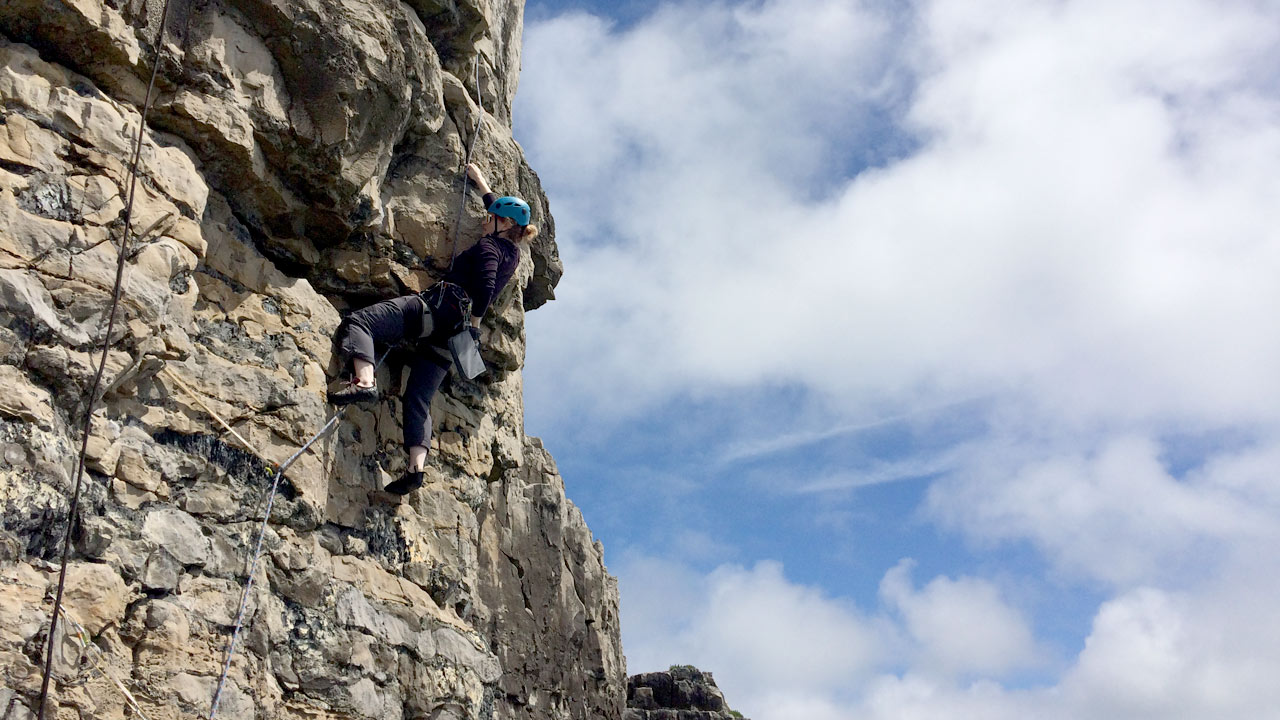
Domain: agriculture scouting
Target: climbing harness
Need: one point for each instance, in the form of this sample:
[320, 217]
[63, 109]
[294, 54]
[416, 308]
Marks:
[440, 297]
[449, 306]
[80, 635]
[116, 292]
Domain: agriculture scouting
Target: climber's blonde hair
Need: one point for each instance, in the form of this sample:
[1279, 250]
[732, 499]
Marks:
[524, 234]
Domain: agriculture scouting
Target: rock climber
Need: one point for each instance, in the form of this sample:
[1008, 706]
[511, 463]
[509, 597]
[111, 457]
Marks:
[431, 318]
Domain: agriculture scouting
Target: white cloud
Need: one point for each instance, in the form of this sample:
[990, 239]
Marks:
[1089, 218]
[1164, 655]
[1141, 637]
[963, 627]
[671, 150]
[657, 597]
[783, 650]
[767, 441]
[768, 640]
[913, 697]
[1071, 216]
[1118, 515]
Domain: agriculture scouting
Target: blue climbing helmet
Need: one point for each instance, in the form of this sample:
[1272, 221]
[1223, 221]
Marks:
[511, 207]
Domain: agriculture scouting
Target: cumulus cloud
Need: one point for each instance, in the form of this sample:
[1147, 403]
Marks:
[963, 627]
[781, 649]
[1118, 515]
[1059, 215]
[785, 649]
[1159, 654]
[767, 638]
[1078, 209]
[674, 162]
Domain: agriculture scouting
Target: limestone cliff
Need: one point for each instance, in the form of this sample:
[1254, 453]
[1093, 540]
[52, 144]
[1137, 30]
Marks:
[301, 157]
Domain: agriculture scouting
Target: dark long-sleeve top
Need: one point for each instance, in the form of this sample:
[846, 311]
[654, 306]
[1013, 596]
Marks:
[483, 269]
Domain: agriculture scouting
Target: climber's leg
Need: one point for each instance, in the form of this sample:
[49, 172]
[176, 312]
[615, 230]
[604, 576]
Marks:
[382, 323]
[417, 458]
[425, 375]
[364, 372]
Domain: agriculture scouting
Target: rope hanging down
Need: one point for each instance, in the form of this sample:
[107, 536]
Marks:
[91, 651]
[277, 474]
[90, 399]
[196, 396]
[462, 206]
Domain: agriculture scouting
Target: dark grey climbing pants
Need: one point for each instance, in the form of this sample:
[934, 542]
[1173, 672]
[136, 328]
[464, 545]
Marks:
[387, 323]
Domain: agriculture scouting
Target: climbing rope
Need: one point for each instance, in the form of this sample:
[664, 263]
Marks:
[248, 585]
[90, 650]
[116, 292]
[196, 396]
[462, 206]
[277, 473]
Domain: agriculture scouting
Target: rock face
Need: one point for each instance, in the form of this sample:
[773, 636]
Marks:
[682, 693]
[302, 157]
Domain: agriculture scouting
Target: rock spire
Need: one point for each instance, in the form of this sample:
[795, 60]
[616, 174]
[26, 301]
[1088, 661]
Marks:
[681, 693]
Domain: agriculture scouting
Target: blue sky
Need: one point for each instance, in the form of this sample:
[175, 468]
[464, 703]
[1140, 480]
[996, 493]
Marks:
[919, 359]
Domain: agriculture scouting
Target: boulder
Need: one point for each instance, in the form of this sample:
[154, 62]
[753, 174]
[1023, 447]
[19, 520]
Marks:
[178, 534]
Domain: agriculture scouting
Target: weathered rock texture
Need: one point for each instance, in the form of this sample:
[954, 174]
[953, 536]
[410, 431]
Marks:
[302, 157]
[682, 693]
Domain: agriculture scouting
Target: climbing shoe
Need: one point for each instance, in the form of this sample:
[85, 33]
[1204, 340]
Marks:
[353, 393]
[407, 483]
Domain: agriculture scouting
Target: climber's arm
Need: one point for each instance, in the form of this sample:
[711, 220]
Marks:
[477, 177]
